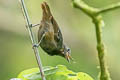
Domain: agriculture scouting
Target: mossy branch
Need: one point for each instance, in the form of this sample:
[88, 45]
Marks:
[29, 28]
[95, 15]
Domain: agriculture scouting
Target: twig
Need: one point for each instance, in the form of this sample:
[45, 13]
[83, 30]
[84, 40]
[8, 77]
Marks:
[104, 74]
[110, 8]
[95, 15]
[29, 28]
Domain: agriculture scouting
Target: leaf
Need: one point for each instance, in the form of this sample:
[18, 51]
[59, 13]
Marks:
[59, 72]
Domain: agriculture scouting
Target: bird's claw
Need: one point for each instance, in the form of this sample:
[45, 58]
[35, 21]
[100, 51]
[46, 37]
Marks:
[35, 45]
[30, 25]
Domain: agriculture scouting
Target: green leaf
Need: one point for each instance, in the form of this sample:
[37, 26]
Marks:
[59, 72]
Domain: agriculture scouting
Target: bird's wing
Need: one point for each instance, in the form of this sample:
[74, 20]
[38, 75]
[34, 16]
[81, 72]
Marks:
[57, 31]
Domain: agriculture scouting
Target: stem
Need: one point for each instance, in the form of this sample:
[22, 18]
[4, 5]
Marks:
[104, 74]
[80, 4]
[29, 28]
[94, 14]
[110, 8]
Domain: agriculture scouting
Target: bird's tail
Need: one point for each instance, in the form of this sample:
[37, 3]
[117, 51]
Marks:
[46, 11]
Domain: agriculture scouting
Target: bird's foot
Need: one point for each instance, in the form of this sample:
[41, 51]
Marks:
[35, 45]
[30, 25]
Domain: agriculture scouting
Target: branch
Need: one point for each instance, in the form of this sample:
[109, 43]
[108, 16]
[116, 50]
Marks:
[29, 28]
[110, 8]
[80, 4]
[95, 15]
[104, 73]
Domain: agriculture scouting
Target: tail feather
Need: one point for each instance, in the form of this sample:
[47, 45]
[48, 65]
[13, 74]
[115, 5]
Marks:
[46, 11]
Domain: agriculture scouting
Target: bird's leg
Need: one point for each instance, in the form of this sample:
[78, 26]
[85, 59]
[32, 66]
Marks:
[34, 25]
[37, 45]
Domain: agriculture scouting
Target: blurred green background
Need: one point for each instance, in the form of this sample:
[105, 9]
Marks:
[16, 52]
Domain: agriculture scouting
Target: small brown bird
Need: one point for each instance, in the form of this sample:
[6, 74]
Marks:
[49, 35]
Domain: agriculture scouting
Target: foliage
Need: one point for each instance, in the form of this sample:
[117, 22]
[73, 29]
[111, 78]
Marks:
[59, 72]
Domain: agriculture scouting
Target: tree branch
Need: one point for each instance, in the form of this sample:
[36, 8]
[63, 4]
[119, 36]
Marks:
[95, 15]
[104, 74]
[80, 4]
[109, 8]
[29, 28]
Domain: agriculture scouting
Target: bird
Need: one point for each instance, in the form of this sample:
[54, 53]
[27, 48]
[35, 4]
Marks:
[50, 38]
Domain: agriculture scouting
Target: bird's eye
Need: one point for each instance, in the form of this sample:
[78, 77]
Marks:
[68, 49]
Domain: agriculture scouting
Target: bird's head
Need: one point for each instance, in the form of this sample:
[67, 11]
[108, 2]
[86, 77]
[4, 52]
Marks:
[65, 52]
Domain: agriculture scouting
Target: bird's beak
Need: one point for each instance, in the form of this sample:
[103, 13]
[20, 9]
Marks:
[68, 57]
